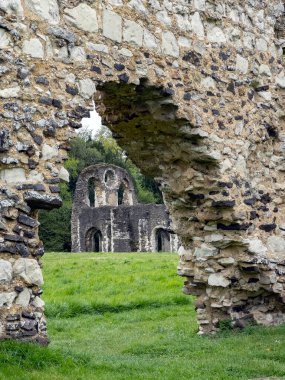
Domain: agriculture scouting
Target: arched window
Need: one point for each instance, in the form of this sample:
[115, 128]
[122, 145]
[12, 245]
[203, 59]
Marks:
[109, 177]
[91, 192]
[162, 240]
[121, 194]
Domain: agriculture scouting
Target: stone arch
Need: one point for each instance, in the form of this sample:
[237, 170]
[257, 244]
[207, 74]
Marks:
[94, 240]
[195, 107]
[162, 238]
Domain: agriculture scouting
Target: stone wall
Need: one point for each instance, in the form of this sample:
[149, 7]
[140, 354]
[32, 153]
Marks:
[114, 222]
[194, 92]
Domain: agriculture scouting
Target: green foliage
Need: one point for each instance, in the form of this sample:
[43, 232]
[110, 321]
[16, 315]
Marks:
[145, 332]
[55, 225]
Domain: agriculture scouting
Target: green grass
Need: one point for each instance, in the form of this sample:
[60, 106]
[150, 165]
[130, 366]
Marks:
[123, 316]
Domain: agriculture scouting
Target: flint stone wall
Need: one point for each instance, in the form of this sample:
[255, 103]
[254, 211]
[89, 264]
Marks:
[194, 92]
[121, 225]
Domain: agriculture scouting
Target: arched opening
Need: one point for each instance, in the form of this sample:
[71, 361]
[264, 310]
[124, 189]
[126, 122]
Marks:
[121, 194]
[109, 177]
[93, 240]
[97, 243]
[91, 192]
[162, 240]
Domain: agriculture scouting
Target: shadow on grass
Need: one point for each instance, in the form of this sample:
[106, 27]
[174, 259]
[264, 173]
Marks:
[70, 310]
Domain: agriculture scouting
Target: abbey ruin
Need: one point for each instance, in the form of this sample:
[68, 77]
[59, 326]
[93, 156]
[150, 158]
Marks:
[193, 90]
[106, 216]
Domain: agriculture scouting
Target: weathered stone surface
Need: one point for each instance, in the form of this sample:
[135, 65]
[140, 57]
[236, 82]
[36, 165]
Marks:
[7, 298]
[42, 201]
[29, 270]
[12, 7]
[10, 92]
[82, 17]
[218, 280]
[5, 271]
[169, 44]
[46, 9]
[34, 48]
[112, 25]
[13, 175]
[87, 88]
[23, 298]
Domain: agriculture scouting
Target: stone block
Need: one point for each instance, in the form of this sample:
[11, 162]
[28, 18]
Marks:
[7, 298]
[29, 270]
[34, 48]
[169, 44]
[219, 280]
[5, 271]
[133, 33]
[112, 25]
[23, 298]
[13, 175]
[82, 17]
[46, 9]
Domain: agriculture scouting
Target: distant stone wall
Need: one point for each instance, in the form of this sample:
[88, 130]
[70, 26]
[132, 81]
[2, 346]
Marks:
[194, 92]
[115, 222]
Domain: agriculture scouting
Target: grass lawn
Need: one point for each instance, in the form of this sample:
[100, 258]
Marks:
[123, 316]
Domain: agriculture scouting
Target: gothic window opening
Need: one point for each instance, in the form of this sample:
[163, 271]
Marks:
[121, 194]
[91, 192]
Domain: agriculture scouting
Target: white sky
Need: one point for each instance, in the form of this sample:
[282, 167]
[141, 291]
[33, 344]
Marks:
[91, 125]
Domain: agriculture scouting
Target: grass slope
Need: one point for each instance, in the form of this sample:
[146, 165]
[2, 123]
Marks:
[122, 316]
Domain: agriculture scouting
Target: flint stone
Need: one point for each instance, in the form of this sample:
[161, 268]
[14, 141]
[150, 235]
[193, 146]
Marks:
[255, 246]
[49, 152]
[42, 201]
[170, 44]
[11, 92]
[226, 261]
[34, 48]
[38, 302]
[46, 9]
[64, 174]
[82, 17]
[133, 33]
[4, 39]
[29, 270]
[23, 298]
[280, 81]
[13, 175]
[241, 64]
[87, 88]
[112, 25]
[276, 244]
[216, 34]
[205, 251]
[218, 280]
[6, 271]
[12, 7]
[197, 25]
[149, 40]
[6, 299]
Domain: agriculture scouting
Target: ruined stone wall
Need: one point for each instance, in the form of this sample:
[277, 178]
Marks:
[124, 227]
[194, 92]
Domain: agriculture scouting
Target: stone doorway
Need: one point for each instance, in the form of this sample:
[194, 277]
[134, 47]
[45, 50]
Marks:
[162, 240]
[94, 240]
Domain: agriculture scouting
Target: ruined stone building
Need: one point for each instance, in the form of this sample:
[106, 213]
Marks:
[106, 216]
[193, 91]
